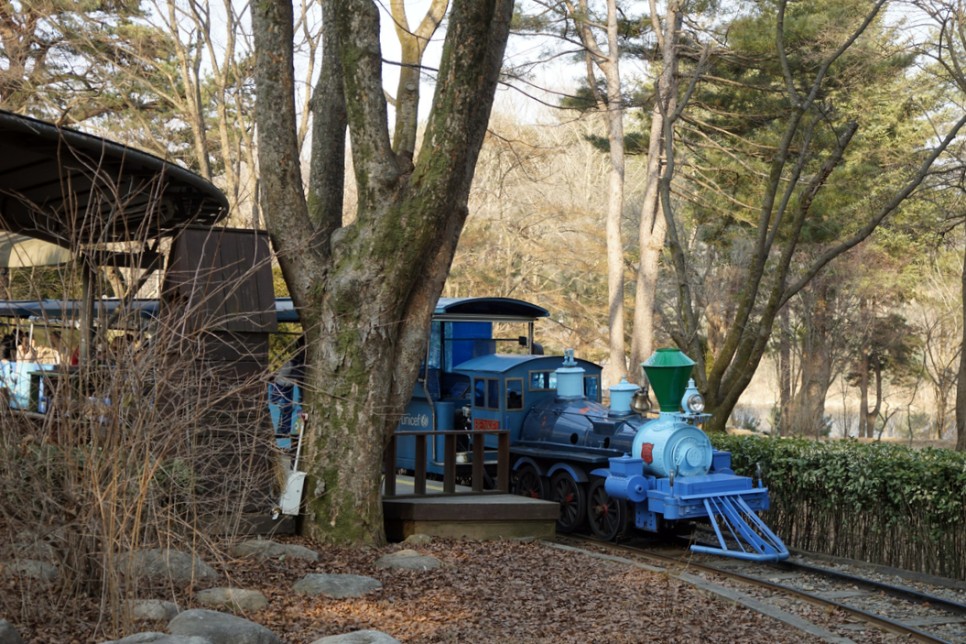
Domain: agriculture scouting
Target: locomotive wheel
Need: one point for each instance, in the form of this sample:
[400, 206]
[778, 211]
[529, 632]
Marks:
[529, 483]
[606, 515]
[572, 499]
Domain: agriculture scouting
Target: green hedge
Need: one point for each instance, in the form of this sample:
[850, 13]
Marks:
[877, 502]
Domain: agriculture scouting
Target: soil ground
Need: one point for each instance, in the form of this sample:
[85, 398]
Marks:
[497, 591]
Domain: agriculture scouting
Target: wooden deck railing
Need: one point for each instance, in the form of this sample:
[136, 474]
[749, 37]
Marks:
[477, 437]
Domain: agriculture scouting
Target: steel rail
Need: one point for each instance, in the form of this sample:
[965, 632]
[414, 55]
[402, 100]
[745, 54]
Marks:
[897, 591]
[883, 622]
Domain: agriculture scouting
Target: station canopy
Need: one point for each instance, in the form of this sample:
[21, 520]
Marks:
[61, 189]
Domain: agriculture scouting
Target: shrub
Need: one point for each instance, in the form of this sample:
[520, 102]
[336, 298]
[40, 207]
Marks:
[883, 503]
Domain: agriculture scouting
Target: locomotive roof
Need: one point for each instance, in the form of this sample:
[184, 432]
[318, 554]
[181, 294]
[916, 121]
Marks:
[505, 363]
[487, 308]
[66, 187]
[496, 309]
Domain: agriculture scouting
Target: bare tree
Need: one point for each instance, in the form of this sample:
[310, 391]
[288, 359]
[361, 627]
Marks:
[610, 105]
[366, 289]
[950, 16]
[652, 230]
[942, 347]
[413, 45]
[534, 231]
[209, 88]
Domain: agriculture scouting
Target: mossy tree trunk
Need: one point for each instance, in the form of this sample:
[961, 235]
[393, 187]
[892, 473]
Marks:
[366, 288]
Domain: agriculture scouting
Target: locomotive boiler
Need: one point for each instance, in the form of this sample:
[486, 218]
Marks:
[613, 467]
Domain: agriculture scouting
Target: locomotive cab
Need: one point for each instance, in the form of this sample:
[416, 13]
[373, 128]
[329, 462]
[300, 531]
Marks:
[447, 396]
[505, 387]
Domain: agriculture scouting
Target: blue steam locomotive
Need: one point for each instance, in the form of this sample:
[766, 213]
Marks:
[609, 468]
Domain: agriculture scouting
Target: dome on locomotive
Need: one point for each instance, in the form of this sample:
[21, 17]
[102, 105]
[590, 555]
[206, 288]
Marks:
[668, 371]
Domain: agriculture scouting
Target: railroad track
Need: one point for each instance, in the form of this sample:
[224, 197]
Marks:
[836, 604]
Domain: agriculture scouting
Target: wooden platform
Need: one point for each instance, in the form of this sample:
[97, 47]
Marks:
[464, 516]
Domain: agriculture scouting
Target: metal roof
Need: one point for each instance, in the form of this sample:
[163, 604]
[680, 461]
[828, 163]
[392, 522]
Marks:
[71, 188]
[503, 363]
[488, 308]
[61, 312]
[69, 310]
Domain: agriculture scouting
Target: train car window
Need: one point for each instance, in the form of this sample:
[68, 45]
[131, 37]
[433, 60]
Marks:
[514, 394]
[592, 388]
[543, 380]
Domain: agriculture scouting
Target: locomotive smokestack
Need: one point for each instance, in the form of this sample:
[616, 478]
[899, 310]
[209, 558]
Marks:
[668, 371]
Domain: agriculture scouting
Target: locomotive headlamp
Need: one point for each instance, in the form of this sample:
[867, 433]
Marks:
[696, 404]
[692, 402]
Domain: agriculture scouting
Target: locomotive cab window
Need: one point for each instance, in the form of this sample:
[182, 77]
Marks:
[514, 394]
[592, 388]
[486, 393]
[543, 380]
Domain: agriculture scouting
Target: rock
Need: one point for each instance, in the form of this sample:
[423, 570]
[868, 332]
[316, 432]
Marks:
[359, 637]
[336, 586]
[30, 569]
[152, 610]
[418, 539]
[221, 628]
[28, 544]
[159, 638]
[268, 549]
[232, 599]
[408, 560]
[9, 634]
[163, 564]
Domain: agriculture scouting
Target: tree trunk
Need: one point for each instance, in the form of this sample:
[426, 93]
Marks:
[366, 290]
[612, 112]
[785, 373]
[193, 108]
[864, 429]
[873, 413]
[961, 381]
[805, 413]
[806, 410]
[413, 45]
[651, 243]
[653, 227]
